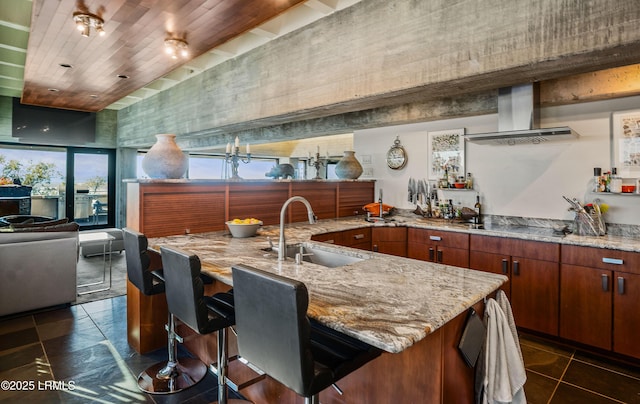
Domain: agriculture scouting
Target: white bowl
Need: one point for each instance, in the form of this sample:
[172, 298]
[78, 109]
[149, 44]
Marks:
[241, 230]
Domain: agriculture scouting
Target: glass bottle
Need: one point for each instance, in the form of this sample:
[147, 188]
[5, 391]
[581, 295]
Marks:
[478, 209]
[469, 181]
[616, 181]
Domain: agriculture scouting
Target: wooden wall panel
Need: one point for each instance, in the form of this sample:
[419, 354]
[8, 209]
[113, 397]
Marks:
[260, 200]
[169, 209]
[162, 209]
[321, 195]
[352, 196]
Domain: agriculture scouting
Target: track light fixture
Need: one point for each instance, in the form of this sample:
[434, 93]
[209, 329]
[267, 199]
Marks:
[175, 47]
[85, 20]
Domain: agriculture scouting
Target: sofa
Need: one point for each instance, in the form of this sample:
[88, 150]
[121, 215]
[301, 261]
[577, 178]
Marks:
[37, 267]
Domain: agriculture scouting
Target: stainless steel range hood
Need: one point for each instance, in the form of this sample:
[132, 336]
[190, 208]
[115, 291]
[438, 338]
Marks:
[518, 118]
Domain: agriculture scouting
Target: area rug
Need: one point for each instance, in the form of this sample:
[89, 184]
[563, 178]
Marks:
[90, 269]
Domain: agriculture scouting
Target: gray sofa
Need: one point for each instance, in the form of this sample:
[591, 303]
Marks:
[37, 269]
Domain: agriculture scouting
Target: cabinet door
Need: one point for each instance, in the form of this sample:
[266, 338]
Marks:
[453, 256]
[419, 251]
[626, 322]
[333, 237]
[397, 248]
[357, 238]
[535, 294]
[585, 305]
[494, 263]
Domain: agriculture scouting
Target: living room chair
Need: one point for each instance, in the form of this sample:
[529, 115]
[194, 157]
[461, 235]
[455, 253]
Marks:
[275, 335]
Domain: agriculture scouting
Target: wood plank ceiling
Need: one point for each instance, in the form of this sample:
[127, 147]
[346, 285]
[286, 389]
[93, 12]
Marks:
[133, 45]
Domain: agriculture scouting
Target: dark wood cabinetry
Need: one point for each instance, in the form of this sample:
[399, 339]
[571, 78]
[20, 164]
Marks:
[389, 240]
[600, 297]
[444, 247]
[533, 271]
[356, 238]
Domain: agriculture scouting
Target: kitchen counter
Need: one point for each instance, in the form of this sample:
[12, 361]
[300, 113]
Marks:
[386, 301]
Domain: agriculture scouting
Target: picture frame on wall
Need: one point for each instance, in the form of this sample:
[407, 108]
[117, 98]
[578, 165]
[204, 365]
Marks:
[625, 143]
[445, 151]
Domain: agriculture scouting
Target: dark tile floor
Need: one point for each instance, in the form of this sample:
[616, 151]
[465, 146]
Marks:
[86, 346]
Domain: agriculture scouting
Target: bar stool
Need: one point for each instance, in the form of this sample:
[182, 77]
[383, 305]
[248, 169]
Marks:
[275, 334]
[149, 283]
[203, 314]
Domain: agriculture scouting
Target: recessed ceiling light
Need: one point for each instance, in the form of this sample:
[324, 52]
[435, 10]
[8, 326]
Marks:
[93, 96]
[53, 90]
[122, 76]
[66, 65]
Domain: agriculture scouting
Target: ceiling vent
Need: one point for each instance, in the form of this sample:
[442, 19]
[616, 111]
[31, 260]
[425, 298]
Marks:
[518, 118]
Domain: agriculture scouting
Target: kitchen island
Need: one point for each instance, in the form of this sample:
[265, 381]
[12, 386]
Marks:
[413, 310]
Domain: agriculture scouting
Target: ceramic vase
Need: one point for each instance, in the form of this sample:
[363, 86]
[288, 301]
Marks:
[165, 159]
[348, 167]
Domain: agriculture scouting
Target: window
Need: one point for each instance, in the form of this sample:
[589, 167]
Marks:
[203, 166]
[56, 172]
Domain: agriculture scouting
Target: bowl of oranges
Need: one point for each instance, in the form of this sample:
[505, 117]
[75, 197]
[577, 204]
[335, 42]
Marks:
[242, 228]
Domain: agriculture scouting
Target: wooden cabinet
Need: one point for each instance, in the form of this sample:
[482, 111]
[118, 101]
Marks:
[533, 271]
[444, 247]
[389, 240]
[356, 238]
[600, 296]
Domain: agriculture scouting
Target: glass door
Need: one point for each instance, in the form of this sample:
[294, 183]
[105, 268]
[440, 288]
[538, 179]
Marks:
[91, 187]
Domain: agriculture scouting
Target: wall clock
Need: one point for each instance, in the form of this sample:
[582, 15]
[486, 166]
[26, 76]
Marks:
[396, 156]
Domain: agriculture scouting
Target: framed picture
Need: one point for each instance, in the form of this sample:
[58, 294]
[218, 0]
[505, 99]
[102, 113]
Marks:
[445, 152]
[625, 143]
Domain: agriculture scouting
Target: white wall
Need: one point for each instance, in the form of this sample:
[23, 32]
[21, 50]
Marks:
[522, 180]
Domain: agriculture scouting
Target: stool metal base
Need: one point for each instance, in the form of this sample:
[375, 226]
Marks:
[188, 372]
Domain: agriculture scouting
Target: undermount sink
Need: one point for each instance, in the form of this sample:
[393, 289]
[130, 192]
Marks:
[320, 256]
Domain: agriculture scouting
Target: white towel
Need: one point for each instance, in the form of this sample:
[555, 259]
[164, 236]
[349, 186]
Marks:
[502, 370]
[503, 302]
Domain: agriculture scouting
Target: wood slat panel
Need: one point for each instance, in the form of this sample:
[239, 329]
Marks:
[262, 201]
[321, 195]
[133, 44]
[353, 196]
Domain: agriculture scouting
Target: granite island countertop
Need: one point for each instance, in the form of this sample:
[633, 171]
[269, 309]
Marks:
[387, 301]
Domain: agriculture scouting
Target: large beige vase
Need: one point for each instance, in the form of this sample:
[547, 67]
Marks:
[349, 167]
[165, 160]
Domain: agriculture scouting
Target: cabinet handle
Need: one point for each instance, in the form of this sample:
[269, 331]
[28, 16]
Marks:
[375, 248]
[435, 238]
[439, 255]
[432, 255]
[516, 268]
[605, 283]
[505, 266]
[620, 285]
[359, 236]
[615, 261]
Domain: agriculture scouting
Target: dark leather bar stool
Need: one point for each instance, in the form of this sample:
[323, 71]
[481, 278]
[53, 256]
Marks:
[275, 334]
[149, 283]
[203, 314]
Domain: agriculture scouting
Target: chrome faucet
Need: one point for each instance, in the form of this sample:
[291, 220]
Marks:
[282, 245]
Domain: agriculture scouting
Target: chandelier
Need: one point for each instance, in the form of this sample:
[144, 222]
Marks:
[176, 46]
[85, 20]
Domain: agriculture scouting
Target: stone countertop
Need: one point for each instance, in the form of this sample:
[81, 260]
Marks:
[389, 302]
